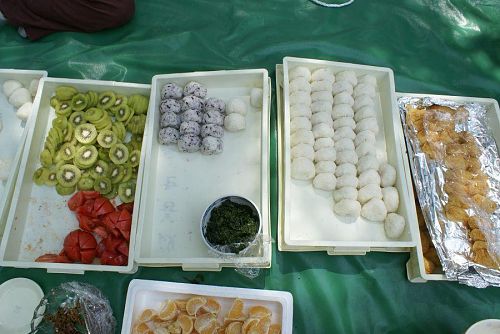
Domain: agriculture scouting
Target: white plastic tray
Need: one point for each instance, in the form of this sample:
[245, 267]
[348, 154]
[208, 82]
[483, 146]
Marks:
[39, 218]
[144, 294]
[307, 217]
[415, 265]
[12, 136]
[178, 187]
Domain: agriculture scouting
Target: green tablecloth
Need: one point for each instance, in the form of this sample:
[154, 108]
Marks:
[434, 46]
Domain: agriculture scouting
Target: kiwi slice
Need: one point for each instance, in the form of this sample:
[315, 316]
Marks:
[79, 102]
[103, 185]
[85, 156]
[64, 108]
[103, 122]
[123, 113]
[85, 183]
[116, 173]
[77, 118]
[134, 158]
[106, 100]
[65, 92]
[46, 158]
[70, 131]
[119, 129]
[126, 191]
[54, 102]
[67, 151]
[128, 173]
[93, 114]
[118, 153]
[100, 169]
[86, 133]
[51, 179]
[60, 122]
[40, 176]
[93, 98]
[106, 138]
[64, 191]
[136, 124]
[104, 155]
[113, 193]
[139, 103]
[68, 175]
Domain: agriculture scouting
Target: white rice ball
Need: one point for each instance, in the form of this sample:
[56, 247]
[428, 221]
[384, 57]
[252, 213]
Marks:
[300, 98]
[343, 98]
[347, 181]
[367, 162]
[299, 72]
[302, 150]
[323, 74]
[325, 167]
[364, 89]
[24, 112]
[302, 169]
[363, 101]
[342, 86]
[394, 226]
[19, 97]
[236, 106]
[322, 130]
[348, 76]
[234, 122]
[301, 137]
[325, 154]
[388, 175]
[344, 132]
[345, 193]
[344, 122]
[321, 86]
[347, 156]
[342, 110]
[369, 177]
[300, 110]
[322, 96]
[324, 181]
[300, 84]
[322, 117]
[365, 112]
[367, 124]
[390, 196]
[256, 97]
[365, 149]
[9, 86]
[374, 210]
[320, 106]
[323, 142]
[347, 208]
[365, 137]
[368, 79]
[344, 144]
[368, 192]
[33, 87]
[300, 123]
[345, 169]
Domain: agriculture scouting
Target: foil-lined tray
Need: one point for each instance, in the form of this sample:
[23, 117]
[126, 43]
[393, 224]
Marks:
[451, 237]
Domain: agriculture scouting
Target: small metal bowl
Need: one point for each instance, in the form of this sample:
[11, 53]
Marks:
[205, 218]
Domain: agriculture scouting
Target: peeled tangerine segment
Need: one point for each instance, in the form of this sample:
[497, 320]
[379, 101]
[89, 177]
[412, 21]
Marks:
[194, 304]
[212, 306]
[168, 310]
[274, 329]
[236, 311]
[259, 311]
[262, 327]
[205, 323]
[186, 323]
[249, 324]
[181, 305]
[234, 328]
[141, 328]
[147, 315]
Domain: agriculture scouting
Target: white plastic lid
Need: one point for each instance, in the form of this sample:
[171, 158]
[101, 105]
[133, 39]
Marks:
[487, 326]
[18, 299]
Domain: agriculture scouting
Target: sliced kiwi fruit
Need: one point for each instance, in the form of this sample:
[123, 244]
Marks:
[106, 138]
[100, 169]
[93, 114]
[77, 118]
[122, 113]
[64, 191]
[64, 108]
[93, 98]
[136, 124]
[40, 176]
[119, 128]
[46, 158]
[79, 102]
[128, 173]
[67, 151]
[126, 191]
[104, 155]
[106, 100]
[51, 179]
[85, 183]
[113, 193]
[65, 92]
[70, 132]
[103, 185]
[68, 175]
[60, 122]
[104, 122]
[134, 158]
[85, 156]
[54, 102]
[139, 103]
[116, 173]
[118, 153]
[86, 133]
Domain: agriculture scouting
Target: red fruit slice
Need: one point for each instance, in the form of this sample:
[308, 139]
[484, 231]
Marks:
[76, 201]
[102, 206]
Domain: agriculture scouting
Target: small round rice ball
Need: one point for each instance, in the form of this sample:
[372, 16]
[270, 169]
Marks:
[300, 110]
[211, 145]
[299, 72]
[170, 105]
[168, 136]
[9, 86]
[302, 150]
[300, 98]
[171, 91]
[388, 175]
[325, 167]
[344, 132]
[345, 169]
[324, 181]
[300, 123]
[321, 106]
[196, 89]
[190, 128]
[342, 86]
[322, 117]
[347, 208]
[343, 98]
[344, 122]
[191, 102]
[322, 96]
[367, 162]
[170, 119]
[323, 143]
[367, 124]
[363, 101]
[322, 130]
[256, 97]
[342, 110]
[213, 117]
[191, 115]
[323, 74]
[19, 97]
[301, 137]
[347, 181]
[374, 210]
[368, 192]
[235, 122]
[344, 144]
[390, 197]
[189, 143]
[365, 149]
[347, 156]
[345, 193]
[364, 89]
[325, 154]
[302, 169]
[321, 86]
[394, 226]
[365, 136]
[236, 106]
[365, 112]
[300, 84]
[348, 76]
[212, 130]
[24, 112]
[368, 79]
[369, 176]
[213, 103]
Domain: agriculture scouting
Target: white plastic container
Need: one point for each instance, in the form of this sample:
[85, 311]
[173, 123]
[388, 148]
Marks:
[178, 187]
[415, 265]
[39, 218]
[306, 218]
[144, 294]
[13, 133]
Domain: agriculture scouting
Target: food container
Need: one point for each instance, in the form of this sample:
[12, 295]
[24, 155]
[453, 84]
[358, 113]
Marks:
[306, 221]
[178, 187]
[39, 218]
[486, 326]
[144, 294]
[205, 218]
[415, 265]
[14, 133]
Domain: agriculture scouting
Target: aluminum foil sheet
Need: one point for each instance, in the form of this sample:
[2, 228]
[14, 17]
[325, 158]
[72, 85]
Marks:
[450, 238]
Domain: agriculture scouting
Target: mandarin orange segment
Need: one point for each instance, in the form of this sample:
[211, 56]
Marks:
[204, 321]
[212, 306]
[194, 304]
[147, 315]
[259, 311]
[186, 323]
[274, 329]
[161, 330]
[211, 328]
[141, 328]
[181, 304]
[236, 311]
[168, 310]
[234, 328]
[249, 324]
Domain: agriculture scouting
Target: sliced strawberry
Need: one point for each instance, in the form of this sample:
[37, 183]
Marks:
[123, 248]
[87, 208]
[102, 206]
[126, 206]
[88, 255]
[86, 223]
[101, 232]
[90, 194]
[76, 201]
[113, 259]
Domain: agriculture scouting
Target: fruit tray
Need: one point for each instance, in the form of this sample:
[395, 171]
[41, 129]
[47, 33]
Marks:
[144, 294]
[13, 131]
[39, 218]
[306, 219]
[178, 187]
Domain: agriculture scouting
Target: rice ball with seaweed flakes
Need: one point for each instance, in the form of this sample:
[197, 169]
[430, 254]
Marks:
[196, 89]
[171, 91]
[211, 145]
[213, 117]
[171, 105]
[235, 122]
[191, 115]
[170, 119]
[212, 130]
[191, 102]
[237, 106]
[190, 128]
[189, 143]
[213, 103]
[168, 136]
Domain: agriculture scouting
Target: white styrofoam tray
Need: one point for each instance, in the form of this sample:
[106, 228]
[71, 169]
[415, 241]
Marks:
[309, 223]
[415, 265]
[13, 135]
[144, 294]
[178, 187]
[39, 218]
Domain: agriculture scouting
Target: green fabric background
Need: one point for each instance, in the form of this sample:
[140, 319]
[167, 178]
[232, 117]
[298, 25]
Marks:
[433, 46]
